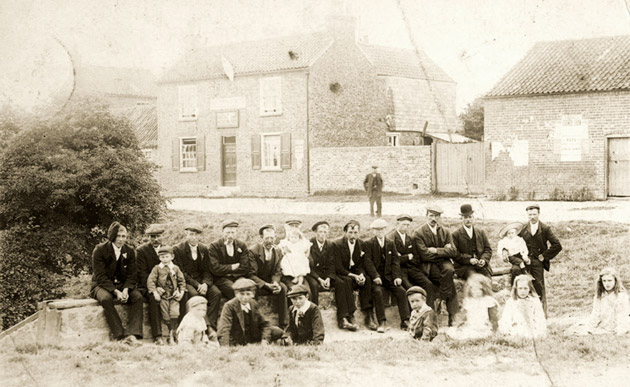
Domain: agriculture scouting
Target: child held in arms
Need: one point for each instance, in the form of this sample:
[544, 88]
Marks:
[423, 321]
[513, 249]
[167, 284]
[295, 265]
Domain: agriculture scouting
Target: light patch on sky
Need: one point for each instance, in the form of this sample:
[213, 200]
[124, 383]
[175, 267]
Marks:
[475, 42]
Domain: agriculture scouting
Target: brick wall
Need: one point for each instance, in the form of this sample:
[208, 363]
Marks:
[249, 181]
[537, 119]
[344, 168]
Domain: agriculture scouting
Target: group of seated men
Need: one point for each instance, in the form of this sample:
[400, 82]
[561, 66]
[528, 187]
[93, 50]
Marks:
[429, 258]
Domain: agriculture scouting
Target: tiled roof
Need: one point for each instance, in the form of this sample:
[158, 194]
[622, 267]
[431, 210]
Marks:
[286, 53]
[570, 66]
[143, 119]
[403, 63]
[119, 81]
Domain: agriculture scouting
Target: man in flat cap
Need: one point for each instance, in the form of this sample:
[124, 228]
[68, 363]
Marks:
[322, 261]
[193, 259]
[265, 271]
[147, 258]
[543, 246]
[382, 265]
[473, 248]
[435, 247]
[229, 259]
[350, 267]
[114, 281]
[373, 184]
[404, 246]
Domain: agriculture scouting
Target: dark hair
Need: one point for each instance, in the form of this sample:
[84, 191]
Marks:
[599, 286]
[484, 283]
[112, 231]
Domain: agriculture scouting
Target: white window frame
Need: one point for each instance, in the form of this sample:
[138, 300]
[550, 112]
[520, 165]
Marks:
[263, 153]
[271, 96]
[187, 95]
[393, 139]
[192, 159]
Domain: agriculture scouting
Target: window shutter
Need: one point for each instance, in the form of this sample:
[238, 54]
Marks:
[285, 151]
[256, 151]
[201, 153]
[175, 155]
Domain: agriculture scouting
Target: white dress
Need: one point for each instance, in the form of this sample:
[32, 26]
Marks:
[609, 316]
[523, 317]
[295, 260]
[477, 323]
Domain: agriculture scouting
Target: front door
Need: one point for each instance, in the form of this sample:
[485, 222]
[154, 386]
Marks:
[228, 161]
[619, 167]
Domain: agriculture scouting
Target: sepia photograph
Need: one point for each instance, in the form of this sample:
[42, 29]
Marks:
[314, 193]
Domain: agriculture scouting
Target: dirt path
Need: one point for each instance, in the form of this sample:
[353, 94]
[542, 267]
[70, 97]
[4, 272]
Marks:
[611, 210]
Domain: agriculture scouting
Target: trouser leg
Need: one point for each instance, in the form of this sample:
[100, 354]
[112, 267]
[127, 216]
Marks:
[154, 315]
[378, 301]
[134, 323]
[225, 284]
[106, 299]
[313, 283]
[537, 271]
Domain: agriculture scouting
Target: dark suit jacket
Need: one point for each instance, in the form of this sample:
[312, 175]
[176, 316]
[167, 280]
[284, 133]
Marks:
[257, 272]
[424, 239]
[104, 265]
[460, 240]
[311, 328]
[231, 327]
[146, 260]
[220, 262]
[183, 259]
[322, 262]
[341, 252]
[403, 249]
[544, 242]
[392, 261]
[373, 184]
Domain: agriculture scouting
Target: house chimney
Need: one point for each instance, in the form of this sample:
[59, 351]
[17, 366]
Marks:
[342, 28]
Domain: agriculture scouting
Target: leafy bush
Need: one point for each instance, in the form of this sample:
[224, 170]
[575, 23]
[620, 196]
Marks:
[62, 182]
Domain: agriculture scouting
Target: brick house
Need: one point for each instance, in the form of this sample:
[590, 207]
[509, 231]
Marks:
[558, 123]
[280, 117]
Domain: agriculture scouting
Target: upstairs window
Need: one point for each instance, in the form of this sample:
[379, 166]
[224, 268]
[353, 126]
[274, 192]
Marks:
[187, 100]
[270, 96]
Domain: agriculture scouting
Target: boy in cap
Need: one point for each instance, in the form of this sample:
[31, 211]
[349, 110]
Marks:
[382, 265]
[229, 259]
[114, 280]
[264, 267]
[373, 184]
[435, 246]
[306, 325]
[241, 321]
[193, 259]
[192, 329]
[473, 248]
[167, 285]
[423, 322]
[147, 258]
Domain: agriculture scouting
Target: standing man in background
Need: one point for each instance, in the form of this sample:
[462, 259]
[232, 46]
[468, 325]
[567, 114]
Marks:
[373, 184]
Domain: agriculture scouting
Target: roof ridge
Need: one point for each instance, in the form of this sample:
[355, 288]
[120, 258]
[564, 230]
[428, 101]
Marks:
[271, 39]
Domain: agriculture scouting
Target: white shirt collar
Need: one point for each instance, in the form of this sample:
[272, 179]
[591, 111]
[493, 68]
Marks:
[402, 235]
[305, 307]
[170, 265]
[433, 229]
[381, 241]
[246, 307]
[533, 227]
[469, 231]
[117, 251]
[320, 244]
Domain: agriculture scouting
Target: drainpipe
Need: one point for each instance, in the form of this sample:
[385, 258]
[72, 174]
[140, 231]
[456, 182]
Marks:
[307, 146]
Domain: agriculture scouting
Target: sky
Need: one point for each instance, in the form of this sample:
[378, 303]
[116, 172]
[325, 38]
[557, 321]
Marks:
[475, 42]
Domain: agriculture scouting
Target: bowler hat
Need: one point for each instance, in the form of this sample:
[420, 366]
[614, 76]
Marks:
[466, 209]
[196, 227]
[416, 290]
[434, 208]
[317, 224]
[402, 217]
[154, 229]
[379, 223]
[244, 284]
[532, 207]
[297, 290]
[352, 223]
[194, 301]
[266, 226]
[165, 250]
[514, 225]
[229, 223]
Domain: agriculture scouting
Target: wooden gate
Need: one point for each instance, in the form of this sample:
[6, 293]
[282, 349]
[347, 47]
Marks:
[228, 161]
[459, 168]
[619, 167]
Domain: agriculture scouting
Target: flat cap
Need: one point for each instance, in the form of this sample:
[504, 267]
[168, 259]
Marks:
[317, 224]
[351, 223]
[379, 223]
[295, 221]
[434, 208]
[402, 217]
[196, 227]
[165, 250]
[374, 166]
[416, 290]
[194, 301]
[264, 227]
[297, 290]
[154, 229]
[229, 223]
[533, 206]
[244, 284]
[514, 225]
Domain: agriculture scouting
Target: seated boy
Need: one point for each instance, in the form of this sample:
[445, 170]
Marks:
[305, 323]
[192, 329]
[423, 322]
[167, 285]
[241, 321]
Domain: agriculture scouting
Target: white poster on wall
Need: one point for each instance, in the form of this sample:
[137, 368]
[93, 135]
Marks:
[572, 136]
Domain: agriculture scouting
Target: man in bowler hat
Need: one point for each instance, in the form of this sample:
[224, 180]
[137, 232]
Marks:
[473, 248]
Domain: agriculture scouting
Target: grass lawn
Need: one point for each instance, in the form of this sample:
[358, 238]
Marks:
[556, 360]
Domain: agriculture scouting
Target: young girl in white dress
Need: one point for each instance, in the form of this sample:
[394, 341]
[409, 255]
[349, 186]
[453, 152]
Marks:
[523, 314]
[610, 307]
[295, 264]
[479, 310]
